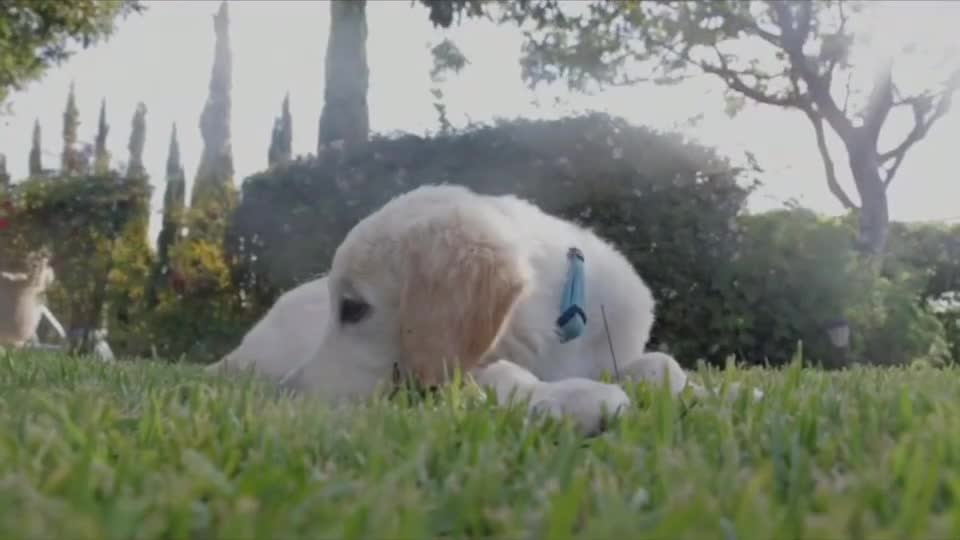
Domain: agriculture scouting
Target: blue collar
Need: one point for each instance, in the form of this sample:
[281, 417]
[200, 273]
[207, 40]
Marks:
[573, 319]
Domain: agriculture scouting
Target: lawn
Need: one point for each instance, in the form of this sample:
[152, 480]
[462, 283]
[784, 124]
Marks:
[150, 450]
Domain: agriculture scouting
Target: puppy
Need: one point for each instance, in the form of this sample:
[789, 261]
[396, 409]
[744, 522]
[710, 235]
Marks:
[22, 300]
[285, 337]
[442, 278]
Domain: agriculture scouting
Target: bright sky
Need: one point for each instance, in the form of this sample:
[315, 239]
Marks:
[164, 57]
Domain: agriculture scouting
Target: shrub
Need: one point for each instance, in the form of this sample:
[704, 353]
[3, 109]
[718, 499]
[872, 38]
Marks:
[791, 278]
[933, 252]
[196, 308]
[797, 273]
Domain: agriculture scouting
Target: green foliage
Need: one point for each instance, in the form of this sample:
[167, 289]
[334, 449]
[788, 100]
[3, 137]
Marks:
[129, 315]
[443, 13]
[447, 57]
[933, 252]
[35, 36]
[155, 451]
[198, 312]
[78, 219]
[796, 274]
[894, 324]
[61, 211]
[931, 249]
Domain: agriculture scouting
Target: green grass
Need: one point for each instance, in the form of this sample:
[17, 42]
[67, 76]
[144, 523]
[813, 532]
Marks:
[158, 451]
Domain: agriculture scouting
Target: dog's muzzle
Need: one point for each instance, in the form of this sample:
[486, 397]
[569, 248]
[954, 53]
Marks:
[402, 379]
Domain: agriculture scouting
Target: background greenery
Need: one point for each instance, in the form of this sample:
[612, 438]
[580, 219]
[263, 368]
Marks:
[727, 283]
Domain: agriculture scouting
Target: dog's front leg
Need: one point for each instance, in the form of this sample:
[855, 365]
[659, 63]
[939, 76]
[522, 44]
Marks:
[590, 404]
[658, 367]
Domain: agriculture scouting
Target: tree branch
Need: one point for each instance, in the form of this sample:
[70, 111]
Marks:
[828, 164]
[753, 26]
[922, 122]
[733, 80]
[836, 54]
[848, 89]
[792, 43]
[879, 104]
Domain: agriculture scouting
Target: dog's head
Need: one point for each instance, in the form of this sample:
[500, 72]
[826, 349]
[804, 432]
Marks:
[427, 284]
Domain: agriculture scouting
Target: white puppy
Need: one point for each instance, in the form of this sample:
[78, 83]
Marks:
[285, 337]
[442, 278]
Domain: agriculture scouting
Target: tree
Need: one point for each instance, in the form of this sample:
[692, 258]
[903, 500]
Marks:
[126, 286]
[138, 137]
[36, 156]
[35, 36]
[345, 116]
[201, 295]
[447, 58]
[174, 201]
[101, 160]
[281, 139]
[4, 175]
[806, 67]
[214, 178]
[71, 160]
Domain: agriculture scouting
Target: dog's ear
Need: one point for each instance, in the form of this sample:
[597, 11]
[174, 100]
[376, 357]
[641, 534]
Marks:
[459, 293]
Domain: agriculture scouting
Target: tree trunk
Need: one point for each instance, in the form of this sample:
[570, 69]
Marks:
[874, 211]
[345, 116]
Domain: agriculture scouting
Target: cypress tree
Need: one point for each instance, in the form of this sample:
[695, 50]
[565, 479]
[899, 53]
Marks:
[36, 159]
[345, 116]
[71, 161]
[101, 160]
[4, 175]
[214, 180]
[174, 201]
[281, 141]
[138, 137]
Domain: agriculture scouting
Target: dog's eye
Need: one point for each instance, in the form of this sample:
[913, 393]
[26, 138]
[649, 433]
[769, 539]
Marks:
[353, 311]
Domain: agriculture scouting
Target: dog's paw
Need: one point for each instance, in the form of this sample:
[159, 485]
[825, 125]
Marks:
[590, 404]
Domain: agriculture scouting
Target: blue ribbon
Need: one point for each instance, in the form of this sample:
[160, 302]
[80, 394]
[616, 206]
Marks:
[573, 319]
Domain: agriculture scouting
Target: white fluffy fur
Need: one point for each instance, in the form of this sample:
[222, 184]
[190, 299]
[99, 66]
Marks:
[285, 337]
[449, 236]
